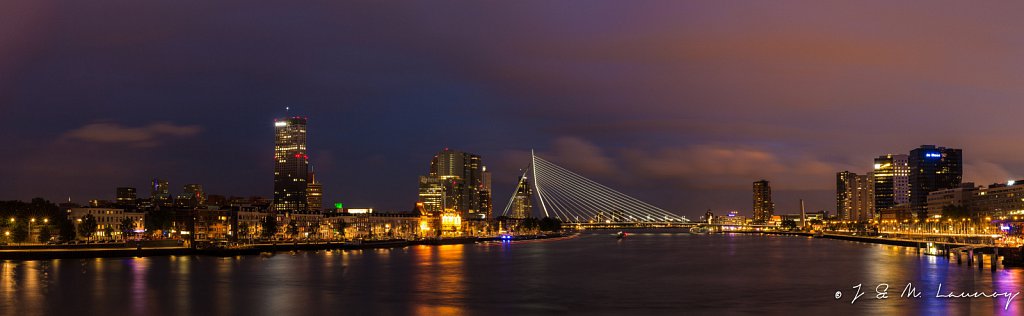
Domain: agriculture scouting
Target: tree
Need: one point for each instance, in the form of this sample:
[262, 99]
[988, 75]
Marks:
[550, 224]
[242, 230]
[19, 233]
[108, 231]
[127, 227]
[955, 211]
[88, 226]
[530, 223]
[44, 234]
[269, 226]
[291, 229]
[789, 224]
[159, 220]
[66, 229]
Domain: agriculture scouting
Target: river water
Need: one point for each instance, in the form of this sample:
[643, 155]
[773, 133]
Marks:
[649, 272]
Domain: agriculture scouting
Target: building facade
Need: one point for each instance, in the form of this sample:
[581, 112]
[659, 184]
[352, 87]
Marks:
[461, 176]
[764, 208]
[291, 164]
[963, 196]
[522, 201]
[855, 196]
[931, 169]
[314, 193]
[891, 181]
[127, 198]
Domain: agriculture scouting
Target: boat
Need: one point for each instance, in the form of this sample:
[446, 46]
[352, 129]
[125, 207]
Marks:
[620, 235]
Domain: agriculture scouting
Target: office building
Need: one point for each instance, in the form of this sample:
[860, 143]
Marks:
[891, 181]
[931, 169]
[314, 193]
[855, 196]
[764, 208]
[160, 193]
[291, 164]
[522, 201]
[126, 198]
[461, 178]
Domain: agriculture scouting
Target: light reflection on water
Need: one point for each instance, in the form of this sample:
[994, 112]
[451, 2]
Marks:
[647, 273]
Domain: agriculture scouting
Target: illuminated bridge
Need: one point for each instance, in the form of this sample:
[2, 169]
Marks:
[572, 198]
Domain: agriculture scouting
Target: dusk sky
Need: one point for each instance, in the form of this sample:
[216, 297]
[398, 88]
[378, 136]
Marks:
[679, 103]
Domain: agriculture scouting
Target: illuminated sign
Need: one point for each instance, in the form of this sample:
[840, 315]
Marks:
[360, 210]
[338, 205]
[933, 155]
[280, 123]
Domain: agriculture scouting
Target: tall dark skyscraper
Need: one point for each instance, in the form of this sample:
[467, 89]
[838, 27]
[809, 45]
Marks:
[764, 208]
[291, 164]
[126, 197]
[931, 169]
[160, 193]
[461, 175]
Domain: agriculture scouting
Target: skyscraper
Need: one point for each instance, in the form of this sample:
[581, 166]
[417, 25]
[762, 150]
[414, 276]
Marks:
[891, 181]
[855, 196]
[931, 169]
[431, 194]
[291, 164]
[126, 198]
[160, 193]
[314, 193]
[486, 200]
[195, 193]
[522, 201]
[461, 176]
[763, 206]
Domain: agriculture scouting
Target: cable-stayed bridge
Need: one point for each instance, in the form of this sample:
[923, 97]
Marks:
[574, 199]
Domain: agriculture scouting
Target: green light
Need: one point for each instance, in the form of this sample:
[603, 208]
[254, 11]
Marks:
[338, 205]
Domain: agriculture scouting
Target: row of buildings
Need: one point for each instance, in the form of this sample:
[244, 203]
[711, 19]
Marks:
[454, 200]
[898, 186]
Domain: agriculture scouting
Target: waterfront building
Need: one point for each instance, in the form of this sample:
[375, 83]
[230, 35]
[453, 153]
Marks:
[306, 224]
[431, 195]
[764, 208]
[931, 169]
[377, 226]
[963, 196]
[160, 193]
[461, 175]
[107, 220]
[891, 181]
[247, 222]
[291, 164]
[126, 198]
[522, 201]
[998, 200]
[314, 193]
[211, 223]
[855, 196]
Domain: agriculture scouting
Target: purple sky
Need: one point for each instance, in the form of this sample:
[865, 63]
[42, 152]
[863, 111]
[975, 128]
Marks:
[680, 103]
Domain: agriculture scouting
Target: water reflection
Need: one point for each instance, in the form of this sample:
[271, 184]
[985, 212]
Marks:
[596, 274]
[439, 279]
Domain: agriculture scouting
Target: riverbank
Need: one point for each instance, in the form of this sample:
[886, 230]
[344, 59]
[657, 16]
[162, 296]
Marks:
[109, 251]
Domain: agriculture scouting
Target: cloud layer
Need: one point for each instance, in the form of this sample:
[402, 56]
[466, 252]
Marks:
[149, 135]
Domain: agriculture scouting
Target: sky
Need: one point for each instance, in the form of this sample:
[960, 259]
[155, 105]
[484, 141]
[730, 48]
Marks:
[682, 104]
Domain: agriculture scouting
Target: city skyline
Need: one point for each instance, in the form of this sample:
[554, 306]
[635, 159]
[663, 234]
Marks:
[659, 120]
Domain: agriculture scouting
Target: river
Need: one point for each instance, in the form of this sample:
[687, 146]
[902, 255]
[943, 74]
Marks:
[648, 272]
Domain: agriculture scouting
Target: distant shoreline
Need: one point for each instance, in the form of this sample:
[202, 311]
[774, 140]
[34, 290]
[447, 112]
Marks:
[256, 249]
